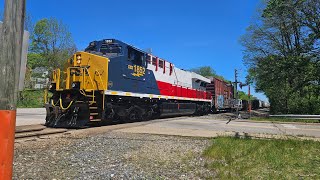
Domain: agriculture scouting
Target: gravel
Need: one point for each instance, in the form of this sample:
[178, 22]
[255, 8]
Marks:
[112, 155]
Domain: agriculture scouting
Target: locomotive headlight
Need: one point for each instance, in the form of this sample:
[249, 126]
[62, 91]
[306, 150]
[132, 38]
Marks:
[75, 85]
[78, 57]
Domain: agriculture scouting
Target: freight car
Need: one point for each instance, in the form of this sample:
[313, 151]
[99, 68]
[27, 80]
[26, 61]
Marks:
[114, 81]
[245, 105]
[222, 94]
[256, 104]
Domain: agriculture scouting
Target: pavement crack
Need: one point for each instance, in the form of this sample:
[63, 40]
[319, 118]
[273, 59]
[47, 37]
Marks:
[284, 132]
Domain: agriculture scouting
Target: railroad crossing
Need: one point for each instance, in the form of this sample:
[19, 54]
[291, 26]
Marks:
[203, 126]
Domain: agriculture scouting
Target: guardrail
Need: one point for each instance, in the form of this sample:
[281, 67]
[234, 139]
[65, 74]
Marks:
[297, 116]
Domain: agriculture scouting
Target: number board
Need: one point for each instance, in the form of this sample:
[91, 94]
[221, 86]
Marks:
[108, 40]
[138, 71]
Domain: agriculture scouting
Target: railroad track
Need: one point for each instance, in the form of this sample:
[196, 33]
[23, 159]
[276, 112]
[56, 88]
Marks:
[36, 131]
[30, 131]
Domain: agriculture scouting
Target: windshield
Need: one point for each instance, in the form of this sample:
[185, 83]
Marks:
[104, 48]
[110, 48]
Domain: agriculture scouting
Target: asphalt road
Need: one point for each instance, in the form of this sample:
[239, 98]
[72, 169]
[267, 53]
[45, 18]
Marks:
[210, 126]
[29, 116]
[204, 126]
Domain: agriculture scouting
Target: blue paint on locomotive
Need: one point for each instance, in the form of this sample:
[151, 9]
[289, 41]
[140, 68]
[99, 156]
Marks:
[127, 67]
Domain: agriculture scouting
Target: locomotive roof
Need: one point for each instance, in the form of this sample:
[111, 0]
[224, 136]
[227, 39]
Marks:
[123, 43]
[113, 41]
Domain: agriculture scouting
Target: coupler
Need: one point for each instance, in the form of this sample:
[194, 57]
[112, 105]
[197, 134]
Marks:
[75, 116]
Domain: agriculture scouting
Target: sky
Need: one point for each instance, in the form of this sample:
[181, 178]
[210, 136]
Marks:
[188, 33]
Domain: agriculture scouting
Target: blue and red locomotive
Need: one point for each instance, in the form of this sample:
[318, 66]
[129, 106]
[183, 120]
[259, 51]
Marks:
[114, 81]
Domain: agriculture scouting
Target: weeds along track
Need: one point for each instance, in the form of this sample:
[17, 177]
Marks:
[36, 131]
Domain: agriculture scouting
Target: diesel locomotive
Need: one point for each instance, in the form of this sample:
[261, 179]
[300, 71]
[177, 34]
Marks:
[114, 81]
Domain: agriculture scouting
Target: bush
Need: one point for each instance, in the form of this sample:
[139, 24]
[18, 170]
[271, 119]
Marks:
[31, 99]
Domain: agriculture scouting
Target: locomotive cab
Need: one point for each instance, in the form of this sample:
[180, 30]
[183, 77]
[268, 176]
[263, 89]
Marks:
[108, 48]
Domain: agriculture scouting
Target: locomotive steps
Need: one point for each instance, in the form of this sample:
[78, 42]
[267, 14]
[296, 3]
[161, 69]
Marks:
[94, 110]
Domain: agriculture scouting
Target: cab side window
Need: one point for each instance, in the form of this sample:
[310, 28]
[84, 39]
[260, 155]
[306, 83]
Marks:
[148, 59]
[154, 61]
[136, 57]
[161, 63]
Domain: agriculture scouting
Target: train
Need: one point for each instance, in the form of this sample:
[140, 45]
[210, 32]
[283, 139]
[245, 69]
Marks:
[255, 104]
[113, 81]
[222, 95]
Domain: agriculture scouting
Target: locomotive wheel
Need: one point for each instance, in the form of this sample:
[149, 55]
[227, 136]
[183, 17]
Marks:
[133, 116]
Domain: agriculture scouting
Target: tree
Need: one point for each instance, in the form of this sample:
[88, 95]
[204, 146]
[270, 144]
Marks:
[244, 96]
[281, 53]
[52, 41]
[205, 71]
[35, 60]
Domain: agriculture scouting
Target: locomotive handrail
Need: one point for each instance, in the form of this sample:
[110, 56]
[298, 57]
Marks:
[91, 84]
[84, 93]
[90, 77]
[100, 80]
[56, 78]
[84, 71]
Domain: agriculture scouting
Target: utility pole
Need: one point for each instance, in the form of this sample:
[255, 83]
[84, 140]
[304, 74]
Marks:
[11, 37]
[249, 102]
[236, 91]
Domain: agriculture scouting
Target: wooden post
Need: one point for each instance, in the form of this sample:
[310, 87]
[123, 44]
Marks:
[249, 102]
[11, 38]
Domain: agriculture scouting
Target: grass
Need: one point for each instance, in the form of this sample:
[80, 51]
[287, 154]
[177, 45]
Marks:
[235, 158]
[31, 99]
[277, 119]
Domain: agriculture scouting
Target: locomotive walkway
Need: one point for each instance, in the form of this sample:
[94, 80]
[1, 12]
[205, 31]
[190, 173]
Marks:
[204, 126]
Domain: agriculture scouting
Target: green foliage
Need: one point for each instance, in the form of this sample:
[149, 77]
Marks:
[51, 44]
[205, 71]
[31, 99]
[234, 158]
[282, 54]
[244, 96]
[35, 60]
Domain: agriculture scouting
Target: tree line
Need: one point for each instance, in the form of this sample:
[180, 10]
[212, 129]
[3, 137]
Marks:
[282, 55]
